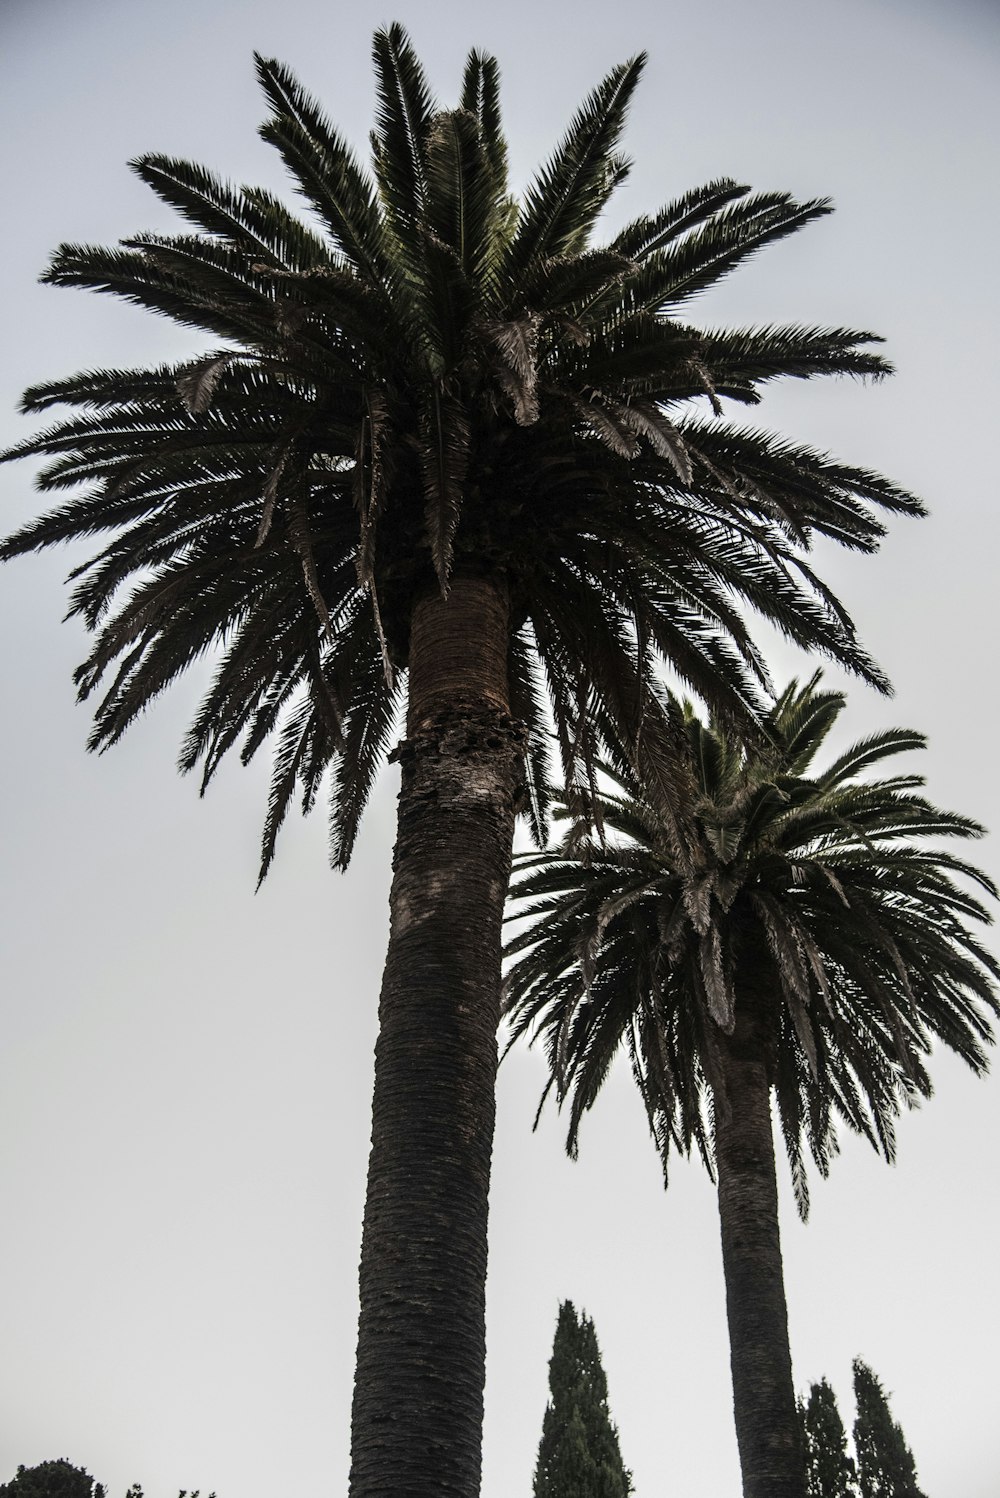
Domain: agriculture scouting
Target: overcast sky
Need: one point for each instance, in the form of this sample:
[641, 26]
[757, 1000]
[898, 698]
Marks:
[185, 1066]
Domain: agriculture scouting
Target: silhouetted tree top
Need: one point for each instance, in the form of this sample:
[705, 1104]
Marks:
[830, 1470]
[578, 1455]
[886, 1468]
[55, 1479]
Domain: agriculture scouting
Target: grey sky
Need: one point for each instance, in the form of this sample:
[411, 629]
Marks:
[185, 1068]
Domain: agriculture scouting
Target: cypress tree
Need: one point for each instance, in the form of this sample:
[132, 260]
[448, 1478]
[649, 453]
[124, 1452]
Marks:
[830, 1471]
[885, 1462]
[578, 1455]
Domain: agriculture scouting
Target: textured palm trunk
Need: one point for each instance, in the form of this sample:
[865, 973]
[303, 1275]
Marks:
[767, 1424]
[418, 1399]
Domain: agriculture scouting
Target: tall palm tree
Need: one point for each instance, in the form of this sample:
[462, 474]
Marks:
[441, 434]
[779, 931]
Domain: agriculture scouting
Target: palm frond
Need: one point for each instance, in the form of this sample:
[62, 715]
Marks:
[404, 111]
[326, 170]
[481, 98]
[562, 204]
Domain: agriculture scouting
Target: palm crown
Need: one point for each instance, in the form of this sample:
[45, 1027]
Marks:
[820, 903]
[427, 379]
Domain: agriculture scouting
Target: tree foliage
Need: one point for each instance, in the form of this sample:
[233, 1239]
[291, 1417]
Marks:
[882, 1465]
[578, 1455]
[830, 1469]
[729, 870]
[421, 377]
[886, 1468]
[60, 1479]
[55, 1479]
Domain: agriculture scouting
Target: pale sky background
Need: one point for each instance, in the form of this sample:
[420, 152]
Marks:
[185, 1067]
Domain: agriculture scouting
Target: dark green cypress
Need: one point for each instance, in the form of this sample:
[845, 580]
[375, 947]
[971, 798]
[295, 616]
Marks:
[578, 1455]
[885, 1462]
[830, 1471]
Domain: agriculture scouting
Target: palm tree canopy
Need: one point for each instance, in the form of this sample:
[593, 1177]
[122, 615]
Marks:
[425, 377]
[822, 900]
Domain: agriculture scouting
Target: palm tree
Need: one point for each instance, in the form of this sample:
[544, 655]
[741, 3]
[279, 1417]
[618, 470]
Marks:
[773, 930]
[441, 434]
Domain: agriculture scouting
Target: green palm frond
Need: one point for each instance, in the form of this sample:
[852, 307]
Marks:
[563, 203]
[326, 170]
[744, 359]
[404, 112]
[249, 218]
[468, 208]
[689, 265]
[646, 235]
[481, 98]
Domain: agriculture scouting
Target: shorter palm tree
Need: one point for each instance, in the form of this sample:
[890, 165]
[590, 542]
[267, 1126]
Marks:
[746, 926]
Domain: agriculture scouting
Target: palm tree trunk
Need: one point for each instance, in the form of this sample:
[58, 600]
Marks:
[418, 1399]
[767, 1423]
